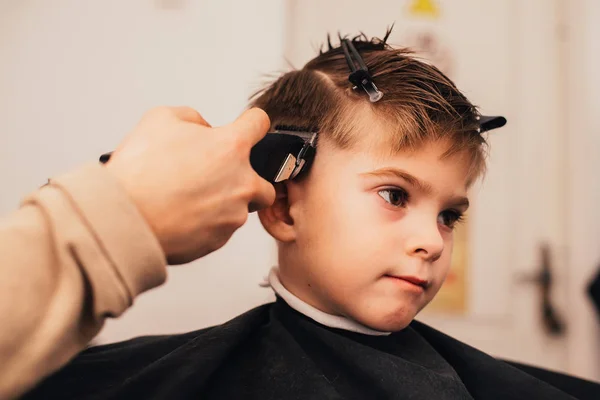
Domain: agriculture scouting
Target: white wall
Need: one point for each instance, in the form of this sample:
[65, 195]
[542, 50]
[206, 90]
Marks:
[76, 75]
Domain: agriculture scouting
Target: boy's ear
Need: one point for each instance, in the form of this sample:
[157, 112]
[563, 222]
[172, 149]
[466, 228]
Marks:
[276, 219]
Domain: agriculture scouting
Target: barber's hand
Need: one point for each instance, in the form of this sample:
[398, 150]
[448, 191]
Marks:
[193, 184]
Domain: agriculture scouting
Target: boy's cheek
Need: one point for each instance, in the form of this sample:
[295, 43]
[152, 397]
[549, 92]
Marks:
[441, 270]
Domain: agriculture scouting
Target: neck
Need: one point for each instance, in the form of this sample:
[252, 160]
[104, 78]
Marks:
[323, 318]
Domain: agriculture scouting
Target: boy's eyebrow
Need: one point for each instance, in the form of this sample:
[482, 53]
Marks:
[413, 181]
[421, 186]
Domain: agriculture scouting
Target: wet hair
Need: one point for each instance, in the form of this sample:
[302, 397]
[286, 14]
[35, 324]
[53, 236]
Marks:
[420, 103]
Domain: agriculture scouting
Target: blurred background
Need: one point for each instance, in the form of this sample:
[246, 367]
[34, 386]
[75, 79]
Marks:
[75, 76]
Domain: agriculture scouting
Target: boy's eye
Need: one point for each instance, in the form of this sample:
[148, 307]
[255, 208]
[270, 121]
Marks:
[396, 197]
[450, 218]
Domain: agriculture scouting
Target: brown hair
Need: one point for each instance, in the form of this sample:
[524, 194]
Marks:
[419, 103]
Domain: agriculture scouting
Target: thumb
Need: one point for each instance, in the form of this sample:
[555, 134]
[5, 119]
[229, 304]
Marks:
[188, 114]
[252, 125]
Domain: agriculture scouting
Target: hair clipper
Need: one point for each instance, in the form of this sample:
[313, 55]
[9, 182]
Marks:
[284, 153]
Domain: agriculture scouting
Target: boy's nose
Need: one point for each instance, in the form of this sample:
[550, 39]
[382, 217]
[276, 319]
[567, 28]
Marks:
[425, 241]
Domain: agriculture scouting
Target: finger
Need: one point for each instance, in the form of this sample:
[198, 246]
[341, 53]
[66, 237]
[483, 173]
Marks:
[264, 197]
[252, 125]
[188, 114]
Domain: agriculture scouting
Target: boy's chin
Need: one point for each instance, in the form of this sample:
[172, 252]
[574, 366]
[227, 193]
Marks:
[390, 322]
[391, 326]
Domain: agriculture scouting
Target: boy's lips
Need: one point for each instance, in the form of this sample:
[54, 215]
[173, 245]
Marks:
[411, 279]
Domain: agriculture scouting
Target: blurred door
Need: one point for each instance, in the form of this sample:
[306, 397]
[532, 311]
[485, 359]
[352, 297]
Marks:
[505, 56]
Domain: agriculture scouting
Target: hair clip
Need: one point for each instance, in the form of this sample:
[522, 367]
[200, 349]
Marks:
[487, 123]
[360, 76]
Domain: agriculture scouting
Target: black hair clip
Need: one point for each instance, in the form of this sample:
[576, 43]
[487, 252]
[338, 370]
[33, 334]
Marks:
[487, 123]
[360, 76]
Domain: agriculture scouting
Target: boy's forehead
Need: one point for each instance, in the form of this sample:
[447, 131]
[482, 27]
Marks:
[380, 141]
[426, 163]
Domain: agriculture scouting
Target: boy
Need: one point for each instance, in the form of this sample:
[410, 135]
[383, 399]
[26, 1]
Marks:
[364, 236]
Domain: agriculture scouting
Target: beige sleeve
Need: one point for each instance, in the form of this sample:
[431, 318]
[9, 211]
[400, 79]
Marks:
[77, 251]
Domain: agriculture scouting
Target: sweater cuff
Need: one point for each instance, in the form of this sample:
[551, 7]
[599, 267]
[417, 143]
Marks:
[122, 231]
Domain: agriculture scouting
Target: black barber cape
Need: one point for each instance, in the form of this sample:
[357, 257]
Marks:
[274, 352]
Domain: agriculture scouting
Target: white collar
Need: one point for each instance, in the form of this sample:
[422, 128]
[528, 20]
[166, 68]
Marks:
[331, 321]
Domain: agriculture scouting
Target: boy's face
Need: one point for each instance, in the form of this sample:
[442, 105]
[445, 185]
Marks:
[370, 236]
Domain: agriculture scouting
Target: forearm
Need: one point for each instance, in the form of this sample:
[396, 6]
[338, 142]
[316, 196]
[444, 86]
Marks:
[76, 252]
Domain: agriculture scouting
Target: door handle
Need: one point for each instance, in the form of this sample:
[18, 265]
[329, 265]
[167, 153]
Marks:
[543, 279]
